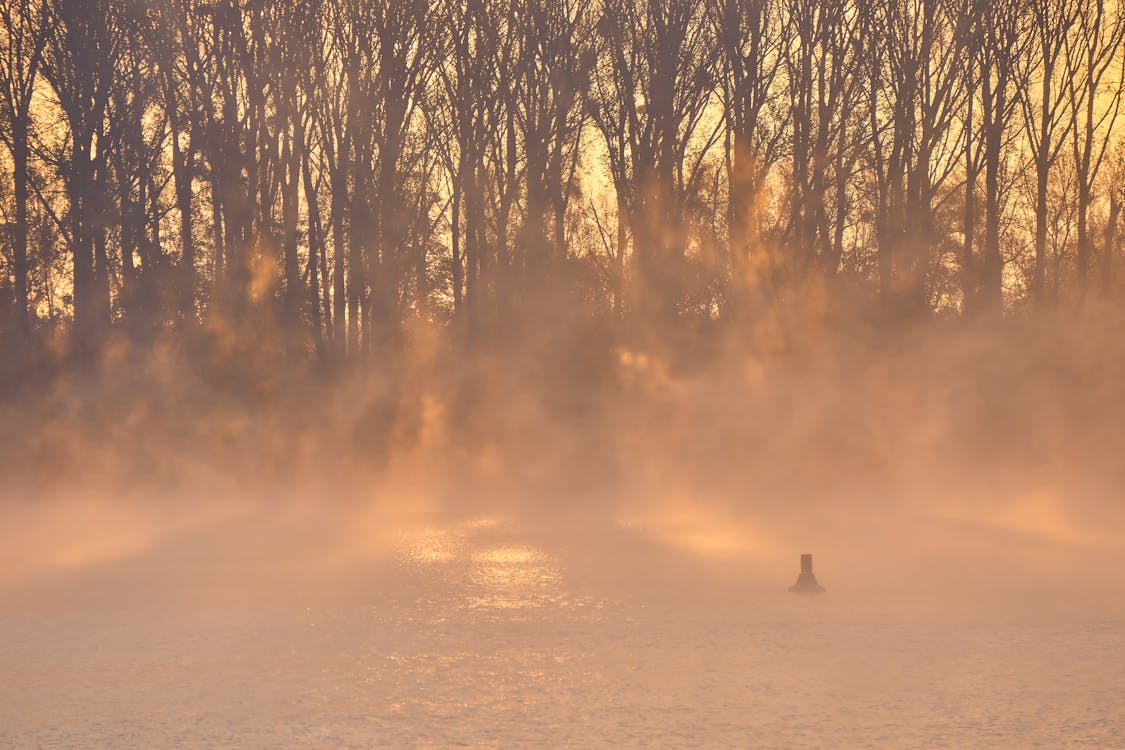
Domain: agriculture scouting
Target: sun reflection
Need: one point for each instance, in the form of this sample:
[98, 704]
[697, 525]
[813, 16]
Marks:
[506, 556]
[432, 546]
[481, 523]
[485, 572]
[513, 577]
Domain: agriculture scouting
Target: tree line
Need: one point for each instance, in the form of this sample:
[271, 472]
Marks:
[345, 166]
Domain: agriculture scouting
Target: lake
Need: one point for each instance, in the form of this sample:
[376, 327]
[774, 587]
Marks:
[476, 634]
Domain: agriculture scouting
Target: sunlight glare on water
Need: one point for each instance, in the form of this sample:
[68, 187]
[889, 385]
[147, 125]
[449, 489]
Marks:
[477, 635]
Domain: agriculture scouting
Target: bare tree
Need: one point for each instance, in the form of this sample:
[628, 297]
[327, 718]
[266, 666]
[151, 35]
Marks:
[1002, 67]
[658, 77]
[555, 62]
[1044, 101]
[1095, 82]
[913, 94]
[470, 70]
[823, 94]
[25, 27]
[335, 166]
[80, 61]
[750, 36]
[406, 55]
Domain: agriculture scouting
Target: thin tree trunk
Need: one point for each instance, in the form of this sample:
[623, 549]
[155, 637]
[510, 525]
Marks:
[322, 326]
[290, 178]
[181, 174]
[1110, 241]
[1042, 165]
[20, 158]
[339, 257]
[455, 231]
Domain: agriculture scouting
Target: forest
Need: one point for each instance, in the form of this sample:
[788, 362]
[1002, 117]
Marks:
[327, 178]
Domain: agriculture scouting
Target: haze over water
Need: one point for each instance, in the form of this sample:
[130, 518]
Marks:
[484, 633]
[595, 568]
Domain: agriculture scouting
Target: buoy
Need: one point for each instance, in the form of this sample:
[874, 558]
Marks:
[806, 582]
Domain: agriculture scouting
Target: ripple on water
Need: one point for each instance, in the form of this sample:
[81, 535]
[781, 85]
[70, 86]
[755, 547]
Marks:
[496, 645]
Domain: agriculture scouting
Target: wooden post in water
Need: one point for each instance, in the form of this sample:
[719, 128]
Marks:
[806, 582]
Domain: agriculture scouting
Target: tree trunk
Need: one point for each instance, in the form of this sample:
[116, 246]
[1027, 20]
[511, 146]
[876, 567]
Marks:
[290, 165]
[181, 174]
[85, 296]
[1110, 240]
[19, 240]
[339, 256]
[1042, 166]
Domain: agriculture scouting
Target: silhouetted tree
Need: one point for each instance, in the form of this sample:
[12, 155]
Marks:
[25, 28]
[333, 167]
[1095, 80]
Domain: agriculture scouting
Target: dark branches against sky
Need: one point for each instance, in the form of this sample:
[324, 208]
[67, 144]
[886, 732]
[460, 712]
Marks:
[338, 169]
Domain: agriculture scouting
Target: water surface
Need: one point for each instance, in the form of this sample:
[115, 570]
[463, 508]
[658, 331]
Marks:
[475, 634]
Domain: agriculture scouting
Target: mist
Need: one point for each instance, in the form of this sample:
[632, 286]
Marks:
[565, 520]
[940, 464]
[590, 373]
